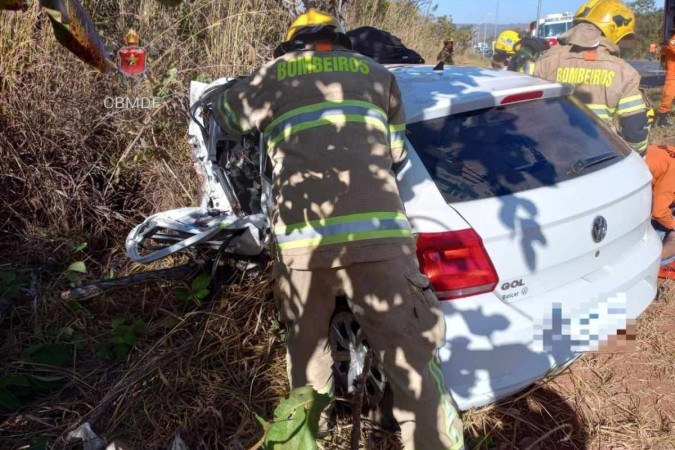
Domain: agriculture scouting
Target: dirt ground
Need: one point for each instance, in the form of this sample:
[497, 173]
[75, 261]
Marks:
[603, 401]
[623, 400]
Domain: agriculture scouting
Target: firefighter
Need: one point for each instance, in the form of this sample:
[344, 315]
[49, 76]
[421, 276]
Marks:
[527, 51]
[604, 82]
[651, 52]
[504, 49]
[668, 54]
[445, 55]
[661, 162]
[334, 127]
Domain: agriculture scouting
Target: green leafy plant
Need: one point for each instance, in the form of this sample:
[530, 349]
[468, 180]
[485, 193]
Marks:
[11, 283]
[49, 354]
[123, 337]
[18, 388]
[75, 271]
[198, 290]
[296, 421]
[39, 443]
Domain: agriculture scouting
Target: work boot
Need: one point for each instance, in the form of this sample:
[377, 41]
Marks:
[663, 120]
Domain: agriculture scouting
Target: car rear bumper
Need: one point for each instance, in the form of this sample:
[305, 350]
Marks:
[494, 349]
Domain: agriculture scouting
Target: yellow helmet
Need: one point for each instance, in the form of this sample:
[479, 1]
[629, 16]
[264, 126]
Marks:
[613, 17]
[506, 40]
[131, 38]
[313, 19]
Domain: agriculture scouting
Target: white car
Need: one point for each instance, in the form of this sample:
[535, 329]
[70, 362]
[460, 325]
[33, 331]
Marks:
[532, 220]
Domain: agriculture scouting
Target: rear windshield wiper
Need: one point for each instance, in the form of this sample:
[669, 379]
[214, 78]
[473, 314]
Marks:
[582, 164]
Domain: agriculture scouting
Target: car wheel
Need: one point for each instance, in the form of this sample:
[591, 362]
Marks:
[349, 347]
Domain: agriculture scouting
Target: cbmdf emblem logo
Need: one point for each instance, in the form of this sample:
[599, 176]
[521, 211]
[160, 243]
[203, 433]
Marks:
[131, 59]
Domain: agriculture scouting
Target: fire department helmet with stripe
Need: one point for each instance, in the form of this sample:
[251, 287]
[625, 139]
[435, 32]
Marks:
[506, 41]
[313, 22]
[614, 18]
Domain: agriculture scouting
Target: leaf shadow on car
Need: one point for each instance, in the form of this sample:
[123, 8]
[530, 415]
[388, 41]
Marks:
[388, 308]
[484, 154]
[327, 191]
[537, 415]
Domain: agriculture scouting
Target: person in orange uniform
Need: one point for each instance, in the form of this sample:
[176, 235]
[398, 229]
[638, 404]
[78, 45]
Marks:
[652, 51]
[661, 162]
[668, 54]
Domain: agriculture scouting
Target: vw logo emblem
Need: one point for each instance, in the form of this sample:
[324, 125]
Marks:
[599, 228]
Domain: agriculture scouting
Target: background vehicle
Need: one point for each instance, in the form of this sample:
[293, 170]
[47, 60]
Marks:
[539, 246]
[552, 26]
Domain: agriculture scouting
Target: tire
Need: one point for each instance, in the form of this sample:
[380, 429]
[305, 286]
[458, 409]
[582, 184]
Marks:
[349, 347]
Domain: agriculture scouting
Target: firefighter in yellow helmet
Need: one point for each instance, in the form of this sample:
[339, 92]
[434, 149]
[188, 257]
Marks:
[588, 58]
[504, 49]
[334, 128]
[527, 51]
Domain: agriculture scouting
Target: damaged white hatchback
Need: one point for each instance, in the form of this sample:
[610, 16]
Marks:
[532, 221]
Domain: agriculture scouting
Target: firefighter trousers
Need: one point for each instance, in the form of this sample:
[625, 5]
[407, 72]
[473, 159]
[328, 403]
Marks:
[668, 97]
[404, 325]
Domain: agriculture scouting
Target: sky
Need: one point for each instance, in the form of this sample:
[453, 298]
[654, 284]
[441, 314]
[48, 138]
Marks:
[510, 11]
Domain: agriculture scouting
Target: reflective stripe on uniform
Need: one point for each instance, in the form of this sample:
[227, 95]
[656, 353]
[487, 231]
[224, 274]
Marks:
[396, 135]
[325, 113]
[630, 104]
[602, 111]
[230, 119]
[529, 68]
[639, 147]
[336, 230]
[446, 404]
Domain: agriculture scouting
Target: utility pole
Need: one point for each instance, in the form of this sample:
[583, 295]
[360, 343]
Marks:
[536, 25]
[497, 18]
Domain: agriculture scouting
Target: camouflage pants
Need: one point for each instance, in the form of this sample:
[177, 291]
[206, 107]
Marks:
[404, 324]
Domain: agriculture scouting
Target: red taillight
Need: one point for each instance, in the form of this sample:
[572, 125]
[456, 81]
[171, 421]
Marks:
[456, 263]
[532, 95]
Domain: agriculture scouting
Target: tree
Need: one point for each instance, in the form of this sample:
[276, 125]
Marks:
[643, 6]
[648, 27]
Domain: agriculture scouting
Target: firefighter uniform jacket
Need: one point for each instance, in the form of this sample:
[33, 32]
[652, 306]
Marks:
[604, 82]
[668, 54]
[333, 125]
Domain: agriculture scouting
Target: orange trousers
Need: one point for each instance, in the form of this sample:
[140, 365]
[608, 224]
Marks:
[668, 97]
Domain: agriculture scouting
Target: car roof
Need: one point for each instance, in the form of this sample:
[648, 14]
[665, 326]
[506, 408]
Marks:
[428, 93]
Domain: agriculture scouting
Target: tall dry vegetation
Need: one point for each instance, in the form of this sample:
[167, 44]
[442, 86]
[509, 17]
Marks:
[74, 171]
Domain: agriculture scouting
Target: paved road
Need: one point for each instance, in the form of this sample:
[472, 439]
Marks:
[652, 75]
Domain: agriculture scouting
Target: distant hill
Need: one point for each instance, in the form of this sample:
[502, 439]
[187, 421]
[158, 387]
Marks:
[489, 28]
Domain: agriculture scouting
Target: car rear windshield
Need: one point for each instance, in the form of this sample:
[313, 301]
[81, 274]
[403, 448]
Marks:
[503, 150]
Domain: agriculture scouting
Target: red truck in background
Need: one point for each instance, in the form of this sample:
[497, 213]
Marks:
[551, 26]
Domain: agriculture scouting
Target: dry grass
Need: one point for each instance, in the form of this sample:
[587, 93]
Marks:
[73, 171]
[660, 135]
[419, 32]
[471, 58]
